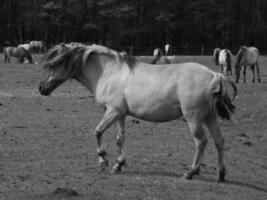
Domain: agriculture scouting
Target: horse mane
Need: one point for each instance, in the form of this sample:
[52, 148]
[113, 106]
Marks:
[74, 58]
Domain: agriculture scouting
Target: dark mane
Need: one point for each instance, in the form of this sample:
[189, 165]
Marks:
[75, 57]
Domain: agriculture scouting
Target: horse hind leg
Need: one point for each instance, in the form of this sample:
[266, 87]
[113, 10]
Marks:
[120, 142]
[109, 117]
[253, 73]
[213, 127]
[258, 72]
[201, 143]
[244, 72]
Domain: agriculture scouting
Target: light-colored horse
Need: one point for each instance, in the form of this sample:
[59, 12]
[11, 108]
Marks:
[25, 46]
[168, 49]
[159, 58]
[37, 46]
[125, 86]
[247, 56]
[225, 61]
[19, 53]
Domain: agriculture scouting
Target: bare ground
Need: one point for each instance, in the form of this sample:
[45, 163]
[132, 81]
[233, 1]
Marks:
[47, 147]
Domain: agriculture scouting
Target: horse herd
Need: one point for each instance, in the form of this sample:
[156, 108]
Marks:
[246, 57]
[126, 86]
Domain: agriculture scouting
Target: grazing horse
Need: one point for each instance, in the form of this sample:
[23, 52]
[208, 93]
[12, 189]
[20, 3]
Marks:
[125, 86]
[225, 61]
[75, 44]
[247, 56]
[216, 53]
[37, 46]
[20, 53]
[159, 58]
[168, 49]
[25, 46]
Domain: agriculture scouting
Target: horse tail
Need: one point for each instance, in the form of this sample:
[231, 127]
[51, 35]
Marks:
[228, 60]
[216, 56]
[220, 100]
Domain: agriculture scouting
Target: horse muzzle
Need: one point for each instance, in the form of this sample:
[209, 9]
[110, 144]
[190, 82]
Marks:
[43, 89]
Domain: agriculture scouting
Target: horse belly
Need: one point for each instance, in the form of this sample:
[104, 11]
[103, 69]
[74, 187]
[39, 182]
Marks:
[154, 107]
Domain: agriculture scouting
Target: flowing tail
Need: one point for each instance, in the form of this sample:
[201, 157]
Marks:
[220, 100]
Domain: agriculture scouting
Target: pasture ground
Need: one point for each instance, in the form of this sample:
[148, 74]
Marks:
[47, 146]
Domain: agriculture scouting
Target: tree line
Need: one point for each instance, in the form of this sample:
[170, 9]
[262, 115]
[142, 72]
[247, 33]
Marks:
[191, 26]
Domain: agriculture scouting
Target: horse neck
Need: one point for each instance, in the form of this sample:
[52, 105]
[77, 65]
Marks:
[91, 74]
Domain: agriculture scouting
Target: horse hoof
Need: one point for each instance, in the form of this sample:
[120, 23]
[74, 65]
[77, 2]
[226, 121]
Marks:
[103, 165]
[221, 177]
[118, 166]
[115, 170]
[189, 175]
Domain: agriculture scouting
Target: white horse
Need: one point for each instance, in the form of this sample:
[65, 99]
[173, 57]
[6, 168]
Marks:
[37, 46]
[225, 61]
[125, 86]
[168, 49]
[159, 58]
[247, 56]
[25, 46]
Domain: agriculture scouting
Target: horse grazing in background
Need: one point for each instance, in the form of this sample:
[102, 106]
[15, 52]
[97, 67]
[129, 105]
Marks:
[159, 58]
[25, 46]
[125, 86]
[37, 46]
[20, 53]
[168, 50]
[216, 53]
[225, 61]
[247, 56]
[75, 44]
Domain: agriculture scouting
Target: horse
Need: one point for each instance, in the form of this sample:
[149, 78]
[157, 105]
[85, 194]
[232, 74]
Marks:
[247, 56]
[25, 46]
[125, 86]
[225, 61]
[75, 44]
[216, 53]
[168, 49]
[159, 58]
[20, 53]
[37, 46]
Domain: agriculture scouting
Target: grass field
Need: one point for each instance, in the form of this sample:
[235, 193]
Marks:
[47, 146]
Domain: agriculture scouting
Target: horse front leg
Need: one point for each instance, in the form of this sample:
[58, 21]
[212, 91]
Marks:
[258, 72]
[213, 127]
[221, 68]
[110, 116]
[120, 142]
[201, 143]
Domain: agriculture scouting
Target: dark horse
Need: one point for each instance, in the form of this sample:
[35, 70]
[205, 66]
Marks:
[20, 53]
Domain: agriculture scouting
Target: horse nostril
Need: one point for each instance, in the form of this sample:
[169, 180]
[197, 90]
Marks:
[40, 87]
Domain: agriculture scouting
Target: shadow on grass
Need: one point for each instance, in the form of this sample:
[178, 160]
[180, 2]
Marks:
[175, 175]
